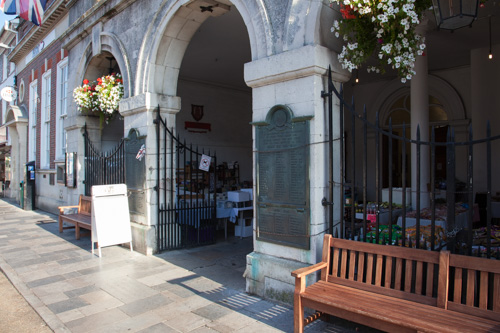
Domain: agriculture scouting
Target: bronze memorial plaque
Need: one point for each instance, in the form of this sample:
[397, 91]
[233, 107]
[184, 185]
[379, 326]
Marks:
[282, 198]
[135, 160]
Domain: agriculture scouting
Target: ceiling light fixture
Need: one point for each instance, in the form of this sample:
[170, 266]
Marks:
[490, 55]
[455, 14]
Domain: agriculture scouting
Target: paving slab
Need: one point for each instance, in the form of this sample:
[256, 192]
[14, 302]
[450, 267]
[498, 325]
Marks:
[194, 290]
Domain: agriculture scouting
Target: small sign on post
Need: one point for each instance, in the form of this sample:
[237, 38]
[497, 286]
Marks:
[205, 162]
[110, 216]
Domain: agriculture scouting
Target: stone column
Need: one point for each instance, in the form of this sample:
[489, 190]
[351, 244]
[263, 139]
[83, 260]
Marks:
[420, 119]
[296, 79]
[139, 113]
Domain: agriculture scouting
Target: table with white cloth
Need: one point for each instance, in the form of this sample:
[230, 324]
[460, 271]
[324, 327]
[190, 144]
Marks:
[241, 229]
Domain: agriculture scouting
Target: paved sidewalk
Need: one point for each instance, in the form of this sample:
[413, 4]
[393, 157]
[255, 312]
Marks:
[191, 290]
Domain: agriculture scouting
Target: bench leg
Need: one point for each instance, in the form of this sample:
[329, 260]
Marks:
[60, 225]
[298, 315]
[77, 231]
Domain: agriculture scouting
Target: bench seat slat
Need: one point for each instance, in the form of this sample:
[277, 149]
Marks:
[78, 218]
[492, 315]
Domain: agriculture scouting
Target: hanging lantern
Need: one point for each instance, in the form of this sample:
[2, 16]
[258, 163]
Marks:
[455, 14]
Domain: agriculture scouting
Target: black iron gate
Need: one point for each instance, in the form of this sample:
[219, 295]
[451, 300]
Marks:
[185, 192]
[469, 237]
[103, 168]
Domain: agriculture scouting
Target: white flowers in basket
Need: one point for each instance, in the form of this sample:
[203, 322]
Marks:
[383, 28]
[101, 97]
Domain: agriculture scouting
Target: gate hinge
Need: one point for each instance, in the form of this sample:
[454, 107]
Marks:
[325, 94]
[325, 202]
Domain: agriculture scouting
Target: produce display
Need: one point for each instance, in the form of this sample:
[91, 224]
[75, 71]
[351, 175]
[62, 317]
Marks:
[481, 237]
[372, 207]
[441, 212]
[410, 236]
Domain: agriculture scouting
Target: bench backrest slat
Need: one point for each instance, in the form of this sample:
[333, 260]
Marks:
[399, 273]
[389, 270]
[409, 267]
[430, 279]
[475, 285]
[457, 296]
[419, 275]
[496, 296]
[85, 205]
[352, 271]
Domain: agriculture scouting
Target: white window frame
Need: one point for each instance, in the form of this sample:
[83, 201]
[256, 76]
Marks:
[45, 120]
[61, 108]
[33, 98]
[5, 65]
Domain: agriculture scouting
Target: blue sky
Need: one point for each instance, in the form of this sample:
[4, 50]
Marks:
[4, 17]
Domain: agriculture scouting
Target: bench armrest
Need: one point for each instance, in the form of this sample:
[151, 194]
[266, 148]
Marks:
[62, 208]
[299, 273]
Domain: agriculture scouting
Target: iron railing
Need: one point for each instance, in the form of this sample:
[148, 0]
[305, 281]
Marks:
[185, 194]
[457, 237]
[103, 168]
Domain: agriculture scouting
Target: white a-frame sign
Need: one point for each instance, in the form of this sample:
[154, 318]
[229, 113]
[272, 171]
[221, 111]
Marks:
[110, 216]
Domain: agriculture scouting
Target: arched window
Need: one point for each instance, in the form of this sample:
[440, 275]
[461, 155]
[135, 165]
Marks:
[400, 114]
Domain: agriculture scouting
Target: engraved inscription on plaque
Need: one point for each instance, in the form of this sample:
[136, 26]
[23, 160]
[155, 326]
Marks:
[135, 173]
[282, 178]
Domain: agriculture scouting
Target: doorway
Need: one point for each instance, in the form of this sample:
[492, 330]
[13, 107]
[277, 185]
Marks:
[215, 117]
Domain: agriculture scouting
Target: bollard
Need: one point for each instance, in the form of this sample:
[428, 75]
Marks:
[21, 191]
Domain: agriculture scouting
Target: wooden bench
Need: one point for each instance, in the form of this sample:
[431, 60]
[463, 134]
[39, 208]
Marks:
[81, 219]
[397, 289]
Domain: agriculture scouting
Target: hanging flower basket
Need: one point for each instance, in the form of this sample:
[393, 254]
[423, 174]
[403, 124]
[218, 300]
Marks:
[384, 29]
[100, 98]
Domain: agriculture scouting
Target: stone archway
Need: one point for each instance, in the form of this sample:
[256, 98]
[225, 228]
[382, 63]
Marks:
[289, 63]
[17, 122]
[170, 32]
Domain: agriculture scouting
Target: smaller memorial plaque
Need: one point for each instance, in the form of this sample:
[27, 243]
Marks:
[135, 163]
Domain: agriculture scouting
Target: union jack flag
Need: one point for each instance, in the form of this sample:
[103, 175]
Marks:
[30, 10]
